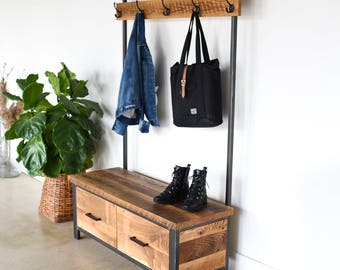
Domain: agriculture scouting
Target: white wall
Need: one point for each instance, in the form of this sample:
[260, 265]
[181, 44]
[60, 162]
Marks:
[286, 178]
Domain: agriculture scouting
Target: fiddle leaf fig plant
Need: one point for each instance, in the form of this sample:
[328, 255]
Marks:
[56, 138]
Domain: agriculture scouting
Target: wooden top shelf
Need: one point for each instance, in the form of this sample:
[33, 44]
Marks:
[135, 192]
[153, 9]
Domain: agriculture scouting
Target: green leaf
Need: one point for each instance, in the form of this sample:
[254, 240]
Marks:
[43, 105]
[68, 136]
[93, 129]
[23, 83]
[55, 113]
[34, 155]
[88, 163]
[85, 112]
[89, 146]
[79, 89]
[51, 149]
[32, 78]
[91, 105]
[68, 104]
[91, 150]
[73, 162]
[20, 146]
[54, 81]
[68, 72]
[53, 166]
[64, 82]
[30, 127]
[44, 95]
[12, 97]
[32, 94]
[10, 133]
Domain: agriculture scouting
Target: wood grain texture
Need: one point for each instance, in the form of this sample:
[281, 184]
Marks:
[153, 9]
[210, 262]
[104, 229]
[198, 232]
[156, 253]
[135, 192]
[201, 247]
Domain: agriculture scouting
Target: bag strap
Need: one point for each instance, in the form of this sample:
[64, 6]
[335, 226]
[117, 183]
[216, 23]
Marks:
[186, 47]
[200, 38]
[200, 34]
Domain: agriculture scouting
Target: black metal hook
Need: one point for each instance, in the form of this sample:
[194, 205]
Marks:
[230, 8]
[118, 12]
[140, 10]
[166, 12]
[197, 9]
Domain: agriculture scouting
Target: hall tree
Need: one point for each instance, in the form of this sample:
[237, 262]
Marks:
[285, 171]
[183, 242]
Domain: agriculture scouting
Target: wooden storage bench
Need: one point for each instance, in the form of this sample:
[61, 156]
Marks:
[115, 207]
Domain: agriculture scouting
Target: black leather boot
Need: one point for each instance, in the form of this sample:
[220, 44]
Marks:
[178, 189]
[197, 197]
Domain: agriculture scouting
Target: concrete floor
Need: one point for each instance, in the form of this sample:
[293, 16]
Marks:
[29, 241]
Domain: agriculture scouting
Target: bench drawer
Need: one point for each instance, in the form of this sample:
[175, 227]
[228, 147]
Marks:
[97, 216]
[142, 240]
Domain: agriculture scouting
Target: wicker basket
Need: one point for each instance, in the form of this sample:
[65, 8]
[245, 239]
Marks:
[56, 199]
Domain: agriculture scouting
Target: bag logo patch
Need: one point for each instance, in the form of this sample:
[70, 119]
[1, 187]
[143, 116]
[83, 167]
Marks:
[193, 110]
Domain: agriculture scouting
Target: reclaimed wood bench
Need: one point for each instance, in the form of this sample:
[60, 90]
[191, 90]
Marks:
[115, 207]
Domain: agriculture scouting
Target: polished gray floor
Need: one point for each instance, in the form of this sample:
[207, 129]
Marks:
[29, 241]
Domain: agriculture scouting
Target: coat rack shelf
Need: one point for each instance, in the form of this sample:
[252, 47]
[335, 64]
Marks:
[156, 9]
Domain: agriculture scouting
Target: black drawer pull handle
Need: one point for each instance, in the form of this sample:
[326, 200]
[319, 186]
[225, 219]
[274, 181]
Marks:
[92, 217]
[139, 242]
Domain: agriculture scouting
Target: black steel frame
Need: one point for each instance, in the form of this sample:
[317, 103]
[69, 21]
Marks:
[76, 232]
[231, 110]
[125, 138]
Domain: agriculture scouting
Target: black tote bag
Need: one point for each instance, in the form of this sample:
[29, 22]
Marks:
[196, 89]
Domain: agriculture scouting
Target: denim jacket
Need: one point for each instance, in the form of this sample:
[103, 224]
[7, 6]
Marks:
[137, 87]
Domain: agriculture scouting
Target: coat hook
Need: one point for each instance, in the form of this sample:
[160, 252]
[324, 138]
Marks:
[118, 12]
[166, 12]
[230, 8]
[140, 10]
[197, 8]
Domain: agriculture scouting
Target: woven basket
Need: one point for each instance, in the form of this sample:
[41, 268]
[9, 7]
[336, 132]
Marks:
[56, 199]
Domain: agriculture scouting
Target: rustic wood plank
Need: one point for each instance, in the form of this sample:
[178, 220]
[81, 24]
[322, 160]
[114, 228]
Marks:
[156, 238]
[211, 262]
[138, 202]
[198, 232]
[153, 9]
[203, 246]
[145, 185]
[105, 229]
[135, 192]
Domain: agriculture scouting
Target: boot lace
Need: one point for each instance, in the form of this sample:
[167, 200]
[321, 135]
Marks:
[174, 185]
[196, 188]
